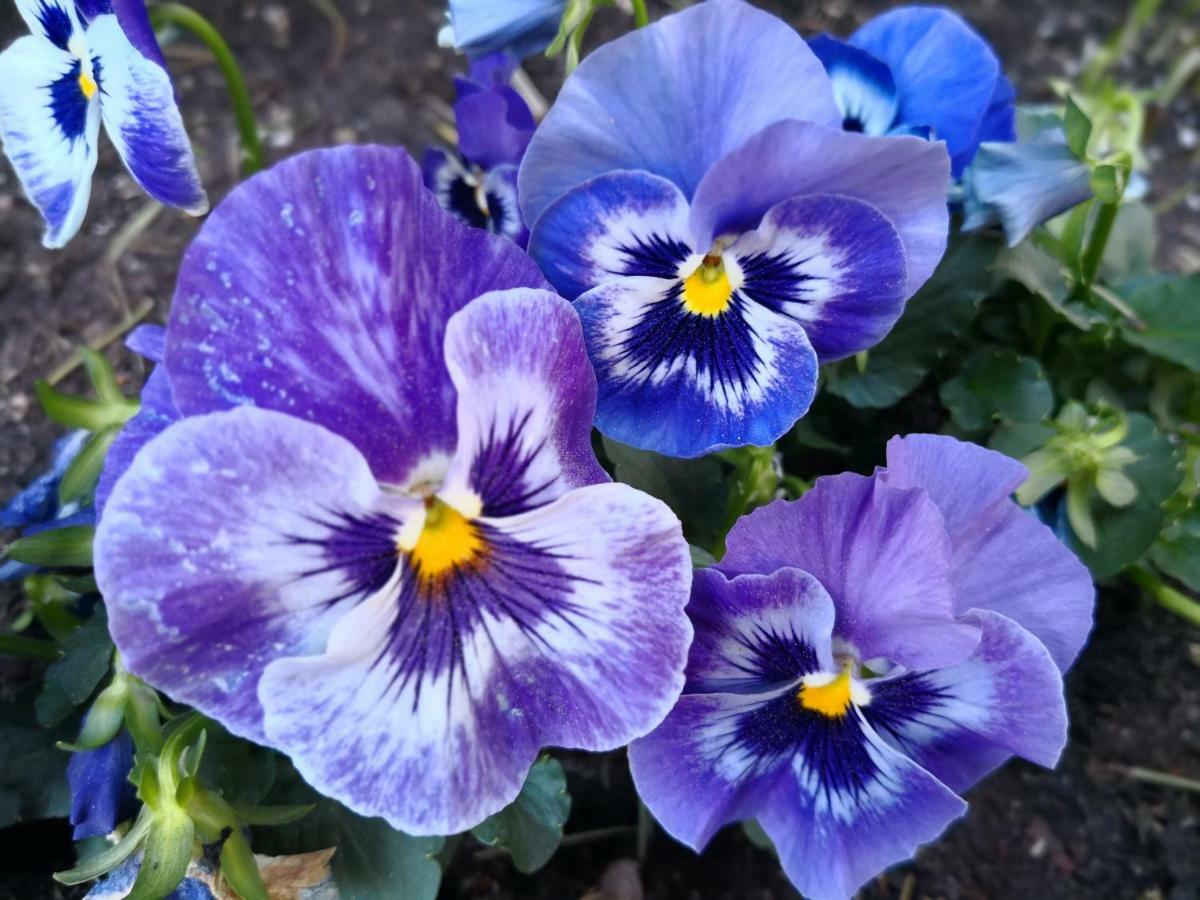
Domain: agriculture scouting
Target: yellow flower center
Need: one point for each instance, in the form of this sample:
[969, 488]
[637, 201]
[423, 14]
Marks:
[87, 84]
[707, 292]
[831, 699]
[448, 540]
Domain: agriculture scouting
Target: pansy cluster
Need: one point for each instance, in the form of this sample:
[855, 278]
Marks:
[360, 517]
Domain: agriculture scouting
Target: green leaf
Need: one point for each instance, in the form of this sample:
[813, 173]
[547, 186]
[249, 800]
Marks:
[83, 412]
[1045, 277]
[942, 310]
[79, 481]
[243, 771]
[701, 558]
[87, 657]
[33, 771]
[1177, 552]
[1078, 128]
[531, 827]
[997, 385]
[66, 548]
[1132, 244]
[103, 379]
[273, 815]
[1124, 534]
[92, 867]
[755, 835]
[167, 854]
[240, 868]
[1170, 312]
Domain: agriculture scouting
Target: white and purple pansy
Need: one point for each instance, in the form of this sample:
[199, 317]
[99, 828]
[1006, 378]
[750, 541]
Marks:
[478, 183]
[721, 237]
[370, 530]
[85, 63]
[864, 654]
[921, 70]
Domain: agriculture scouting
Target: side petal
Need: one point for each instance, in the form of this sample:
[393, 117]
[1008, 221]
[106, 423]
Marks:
[322, 288]
[673, 98]
[862, 85]
[54, 20]
[905, 178]
[831, 263]
[234, 539]
[945, 73]
[620, 224]
[157, 413]
[882, 554]
[137, 103]
[494, 125]
[526, 400]
[134, 19]
[428, 710]
[962, 721]
[756, 632]
[683, 384]
[49, 130]
[1000, 121]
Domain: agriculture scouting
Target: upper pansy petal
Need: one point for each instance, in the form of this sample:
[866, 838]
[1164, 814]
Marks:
[862, 85]
[519, 27]
[134, 19]
[1004, 559]
[673, 98]
[883, 555]
[620, 224]
[49, 129]
[494, 125]
[526, 400]
[904, 178]
[137, 104]
[233, 539]
[321, 288]
[430, 704]
[54, 20]
[1000, 121]
[962, 721]
[945, 73]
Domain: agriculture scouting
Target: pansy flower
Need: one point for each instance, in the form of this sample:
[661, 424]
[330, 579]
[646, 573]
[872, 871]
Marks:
[478, 184]
[101, 793]
[518, 27]
[721, 235]
[85, 63]
[921, 70]
[376, 537]
[862, 656]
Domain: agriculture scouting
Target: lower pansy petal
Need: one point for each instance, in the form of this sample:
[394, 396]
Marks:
[49, 128]
[565, 628]
[526, 400]
[621, 224]
[834, 264]
[234, 539]
[961, 722]
[137, 103]
[687, 383]
[883, 555]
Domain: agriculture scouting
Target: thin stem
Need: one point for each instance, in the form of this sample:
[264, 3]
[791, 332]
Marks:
[188, 19]
[1169, 598]
[1166, 779]
[28, 648]
[641, 18]
[1098, 242]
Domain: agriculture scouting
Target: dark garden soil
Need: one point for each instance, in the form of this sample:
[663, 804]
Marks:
[1086, 830]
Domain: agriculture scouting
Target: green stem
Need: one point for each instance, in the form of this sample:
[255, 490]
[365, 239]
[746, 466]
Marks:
[641, 18]
[28, 648]
[1098, 242]
[1176, 601]
[1166, 779]
[184, 17]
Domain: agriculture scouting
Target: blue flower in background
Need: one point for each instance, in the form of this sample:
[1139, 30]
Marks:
[479, 183]
[83, 65]
[101, 793]
[924, 71]
[519, 27]
[36, 508]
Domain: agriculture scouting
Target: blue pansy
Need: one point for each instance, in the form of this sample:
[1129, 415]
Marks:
[81, 66]
[478, 184]
[101, 793]
[920, 70]
[519, 27]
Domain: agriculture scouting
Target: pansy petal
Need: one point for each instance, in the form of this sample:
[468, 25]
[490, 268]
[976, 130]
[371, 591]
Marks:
[831, 263]
[906, 179]
[862, 85]
[321, 288]
[54, 20]
[1005, 559]
[149, 341]
[134, 19]
[945, 72]
[684, 384]
[49, 130]
[882, 554]
[673, 98]
[756, 632]
[620, 224]
[137, 103]
[157, 412]
[519, 27]
[526, 400]
[233, 539]
[429, 707]
[961, 722]
[1000, 121]
[494, 126]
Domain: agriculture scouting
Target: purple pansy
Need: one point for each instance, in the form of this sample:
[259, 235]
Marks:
[101, 794]
[478, 184]
[921, 70]
[722, 236]
[86, 63]
[377, 537]
[861, 656]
